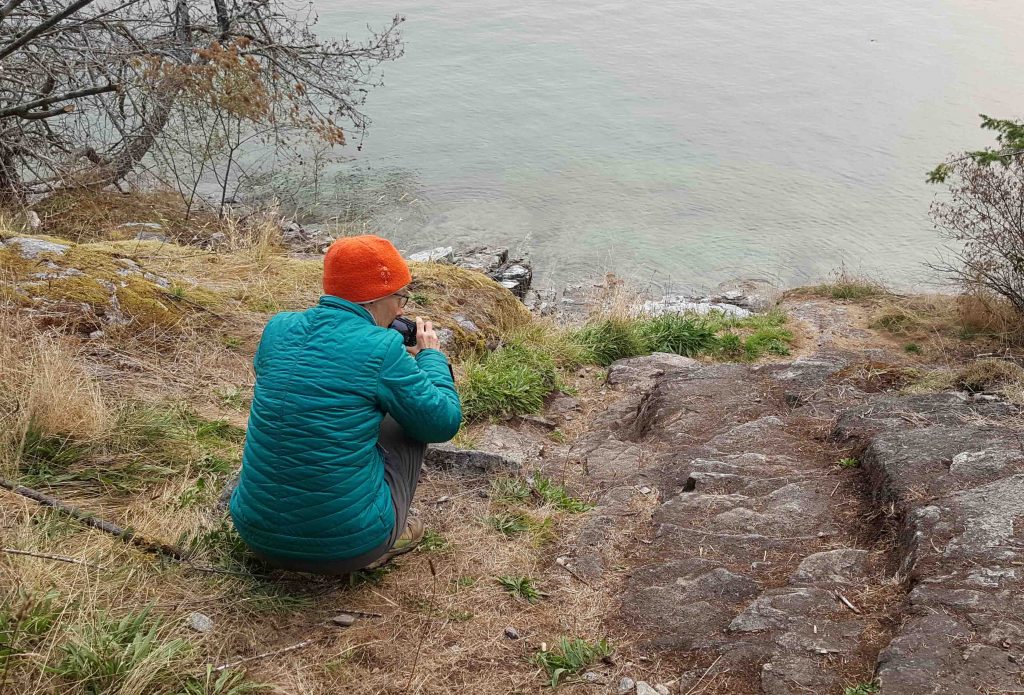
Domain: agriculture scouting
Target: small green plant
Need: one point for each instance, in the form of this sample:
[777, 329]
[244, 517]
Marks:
[458, 616]
[103, 655]
[520, 587]
[231, 342]
[227, 682]
[373, 576]
[768, 340]
[420, 298]
[24, 620]
[558, 436]
[433, 542]
[913, 348]
[508, 524]
[177, 291]
[861, 689]
[466, 582]
[730, 345]
[557, 496]
[849, 463]
[508, 489]
[570, 657]
[43, 454]
[234, 398]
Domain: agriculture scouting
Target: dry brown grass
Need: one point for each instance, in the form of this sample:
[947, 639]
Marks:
[85, 215]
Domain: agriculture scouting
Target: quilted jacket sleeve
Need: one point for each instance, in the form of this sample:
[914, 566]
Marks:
[419, 393]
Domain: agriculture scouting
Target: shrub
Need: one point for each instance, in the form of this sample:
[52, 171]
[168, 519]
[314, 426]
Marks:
[569, 657]
[520, 587]
[981, 215]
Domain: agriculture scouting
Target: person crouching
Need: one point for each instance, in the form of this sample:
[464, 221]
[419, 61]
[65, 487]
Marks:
[341, 414]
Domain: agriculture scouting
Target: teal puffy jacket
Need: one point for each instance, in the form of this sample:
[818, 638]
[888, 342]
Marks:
[312, 485]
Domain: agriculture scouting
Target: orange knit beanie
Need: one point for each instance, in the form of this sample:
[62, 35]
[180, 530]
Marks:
[364, 268]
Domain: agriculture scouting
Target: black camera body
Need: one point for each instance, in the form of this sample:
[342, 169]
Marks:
[407, 328]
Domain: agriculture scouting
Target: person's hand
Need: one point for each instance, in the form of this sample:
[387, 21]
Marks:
[426, 337]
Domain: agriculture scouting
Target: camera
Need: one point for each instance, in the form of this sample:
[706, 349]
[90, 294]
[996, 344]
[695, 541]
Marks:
[407, 328]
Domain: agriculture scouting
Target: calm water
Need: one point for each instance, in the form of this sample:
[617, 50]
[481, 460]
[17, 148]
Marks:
[686, 142]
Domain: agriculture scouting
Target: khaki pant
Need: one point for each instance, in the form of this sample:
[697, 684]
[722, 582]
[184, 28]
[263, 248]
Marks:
[403, 458]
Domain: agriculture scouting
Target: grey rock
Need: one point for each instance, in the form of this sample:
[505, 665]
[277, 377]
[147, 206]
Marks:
[216, 240]
[592, 677]
[511, 633]
[344, 620]
[96, 335]
[677, 304]
[629, 371]
[32, 248]
[482, 258]
[562, 405]
[642, 688]
[151, 236]
[990, 512]
[981, 464]
[662, 689]
[516, 278]
[521, 447]
[446, 336]
[844, 566]
[465, 323]
[626, 685]
[200, 622]
[32, 218]
[144, 225]
[441, 254]
[450, 458]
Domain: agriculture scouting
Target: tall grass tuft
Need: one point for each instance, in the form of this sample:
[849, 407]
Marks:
[120, 654]
[514, 379]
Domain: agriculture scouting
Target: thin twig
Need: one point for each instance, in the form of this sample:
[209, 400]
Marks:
[58, 558]
[846, 602]
[264, 655]
[426, 623]
[693, 690]
[127, 535]
[571, 571]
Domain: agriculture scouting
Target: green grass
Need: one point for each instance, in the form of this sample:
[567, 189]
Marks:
[861, 689]
[229, 682]
[913, 348]
[147, 444]
[849, 463]
[433, 542]
[507, 489]
[516, 378]
[557, 496]
[513, 380]
[676, 333]
[570, 657]
[514, 524]
[24, 621]
[520, 587]
[609, 340]
[508, 524]
[102, 656]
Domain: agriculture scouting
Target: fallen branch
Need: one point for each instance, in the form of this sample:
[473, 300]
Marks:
[58, 558]
[846, 602]
[292, 648]
[127, 535]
